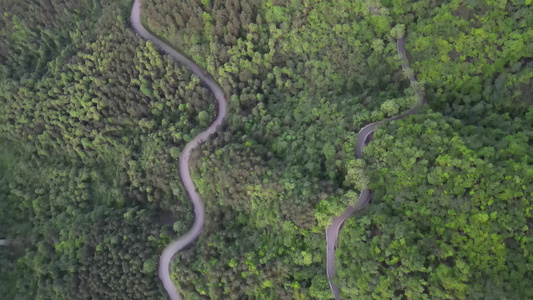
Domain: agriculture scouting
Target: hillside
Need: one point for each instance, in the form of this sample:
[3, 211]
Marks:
[93, 119]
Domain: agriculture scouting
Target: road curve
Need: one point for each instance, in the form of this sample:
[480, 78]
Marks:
[199, 211]
[363, 137]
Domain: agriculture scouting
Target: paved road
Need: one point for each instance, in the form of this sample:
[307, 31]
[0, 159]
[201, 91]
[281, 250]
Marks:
[364, 136]
[199, 211]
[332, 232]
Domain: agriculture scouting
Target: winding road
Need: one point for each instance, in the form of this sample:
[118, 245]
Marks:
[199, 211]
[332, 232]
[364, 136]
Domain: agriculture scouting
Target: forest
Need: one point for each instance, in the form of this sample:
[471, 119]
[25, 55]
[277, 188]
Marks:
[93, 119]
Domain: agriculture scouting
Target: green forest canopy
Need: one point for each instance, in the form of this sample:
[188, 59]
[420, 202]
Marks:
[92, 119]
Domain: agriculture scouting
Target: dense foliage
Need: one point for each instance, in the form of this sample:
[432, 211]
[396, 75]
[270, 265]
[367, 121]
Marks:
[451, 215]
[89, 165]
[92, 120]
[303, 77]
[300, 86]
[33, 33]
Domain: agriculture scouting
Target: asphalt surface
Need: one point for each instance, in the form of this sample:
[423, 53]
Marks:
[364, 136]
[194, 197]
